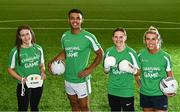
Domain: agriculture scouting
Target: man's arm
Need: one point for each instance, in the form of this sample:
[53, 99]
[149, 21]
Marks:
[97, 61]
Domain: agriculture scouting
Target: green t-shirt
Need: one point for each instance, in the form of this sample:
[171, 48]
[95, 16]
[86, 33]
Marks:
[30, 57]
[154, 68]
[77, 48]
[121, 83]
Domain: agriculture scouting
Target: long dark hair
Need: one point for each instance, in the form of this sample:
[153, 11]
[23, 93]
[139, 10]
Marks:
[18, 42]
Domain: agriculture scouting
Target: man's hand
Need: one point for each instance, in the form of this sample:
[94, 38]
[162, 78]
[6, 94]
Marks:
[84, 73]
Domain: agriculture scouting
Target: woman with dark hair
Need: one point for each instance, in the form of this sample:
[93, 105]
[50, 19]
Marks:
[26, 59]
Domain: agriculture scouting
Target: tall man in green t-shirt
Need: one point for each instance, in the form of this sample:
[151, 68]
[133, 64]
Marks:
[77, 44]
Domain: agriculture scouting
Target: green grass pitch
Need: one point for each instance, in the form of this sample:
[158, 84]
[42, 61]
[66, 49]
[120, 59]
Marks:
[48, 18]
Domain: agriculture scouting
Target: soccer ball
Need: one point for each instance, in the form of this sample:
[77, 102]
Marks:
[168, 85]
[58, 67]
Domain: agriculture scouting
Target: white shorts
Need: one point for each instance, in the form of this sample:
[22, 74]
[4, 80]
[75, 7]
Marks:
[81, 89]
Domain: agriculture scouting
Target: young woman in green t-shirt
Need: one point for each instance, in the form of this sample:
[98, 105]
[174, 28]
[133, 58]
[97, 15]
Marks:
[26, 59]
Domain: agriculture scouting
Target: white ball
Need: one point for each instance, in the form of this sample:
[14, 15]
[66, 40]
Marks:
[110, 61]
[58, 67]
[168, 85]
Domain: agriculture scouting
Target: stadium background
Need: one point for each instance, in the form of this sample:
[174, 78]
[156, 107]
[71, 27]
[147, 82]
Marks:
[48, 18]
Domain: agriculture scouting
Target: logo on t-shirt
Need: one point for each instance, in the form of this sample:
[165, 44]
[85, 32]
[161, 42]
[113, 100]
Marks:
[151, 72]
[72, 52]
[30, 62]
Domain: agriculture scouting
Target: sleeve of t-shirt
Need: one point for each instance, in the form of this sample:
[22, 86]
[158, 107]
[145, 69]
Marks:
[42, 56]
[12, 59]
[62, 41]
[168, 63]
[41, 53]
[93, 42]
[135, 59]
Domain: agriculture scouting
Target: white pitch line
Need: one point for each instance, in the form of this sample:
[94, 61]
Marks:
[90, 20]
[95, 28]
[31, 20]
[137, 21]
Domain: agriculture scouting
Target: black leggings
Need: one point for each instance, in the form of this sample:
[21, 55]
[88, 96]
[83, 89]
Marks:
[32, 95]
